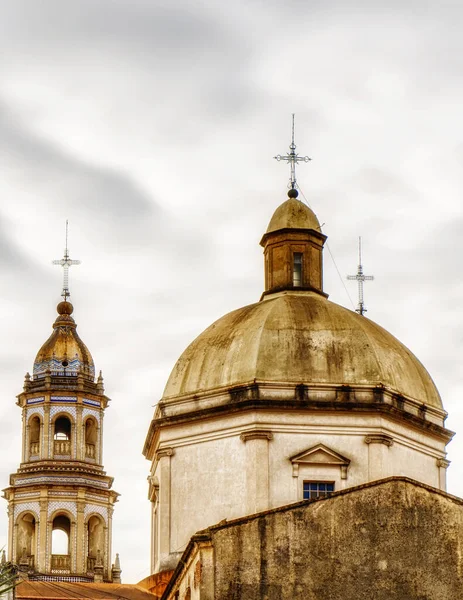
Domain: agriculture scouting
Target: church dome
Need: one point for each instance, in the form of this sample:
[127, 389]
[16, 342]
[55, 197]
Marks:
[299, 337]
[295, 335]
[293, 214]
[64, 353]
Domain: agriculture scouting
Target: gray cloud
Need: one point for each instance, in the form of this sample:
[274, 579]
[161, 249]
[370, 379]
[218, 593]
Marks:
[12, 258]
[142, 23]
[62, 182]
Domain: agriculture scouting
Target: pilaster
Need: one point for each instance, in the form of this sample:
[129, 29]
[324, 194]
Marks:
[11, 536]
[442, 466]
[109, 539]
[42, 547]
[47, 432]
[48, 545]
[26, 443]
[41, 438]
[154, 538]
[257, 469]
[99, 458]
[80, 433]
[164, 465]
[73, 544]
[81, 551]
[378, 455]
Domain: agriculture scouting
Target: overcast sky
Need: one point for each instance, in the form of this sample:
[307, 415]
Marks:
[151, 125]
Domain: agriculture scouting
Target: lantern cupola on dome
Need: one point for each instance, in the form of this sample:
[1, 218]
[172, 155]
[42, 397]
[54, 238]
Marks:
[293, 246]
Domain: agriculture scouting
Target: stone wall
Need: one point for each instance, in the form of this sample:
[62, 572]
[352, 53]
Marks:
[390, 540]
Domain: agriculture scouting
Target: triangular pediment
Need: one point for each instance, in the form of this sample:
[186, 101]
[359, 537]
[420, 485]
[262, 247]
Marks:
[320, 454]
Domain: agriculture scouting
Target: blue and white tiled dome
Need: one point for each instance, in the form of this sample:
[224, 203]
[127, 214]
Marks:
[64, 353]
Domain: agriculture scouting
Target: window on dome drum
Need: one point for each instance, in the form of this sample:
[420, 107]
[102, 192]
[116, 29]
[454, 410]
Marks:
[317, 489]
[297, 269]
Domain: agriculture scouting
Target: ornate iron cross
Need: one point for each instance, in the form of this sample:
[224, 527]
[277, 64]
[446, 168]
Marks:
[292, 159]
[360, 278]
[66, 262]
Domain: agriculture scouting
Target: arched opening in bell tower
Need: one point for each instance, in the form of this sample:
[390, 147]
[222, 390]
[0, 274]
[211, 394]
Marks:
[60, 544]
[62, 436]
[91, 438]
[95, 541]
[26, 540]
[34, 436]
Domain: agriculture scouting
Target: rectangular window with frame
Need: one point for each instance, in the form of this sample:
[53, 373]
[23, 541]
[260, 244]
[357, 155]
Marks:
[297, 269]
[317, 489]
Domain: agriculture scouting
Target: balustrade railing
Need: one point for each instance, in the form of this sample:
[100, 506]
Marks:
[62, 447]
[60, 563]
[35, 448]
[90, 450]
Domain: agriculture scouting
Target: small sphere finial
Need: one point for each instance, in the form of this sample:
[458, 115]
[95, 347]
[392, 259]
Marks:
[293, 193]
[65, 308]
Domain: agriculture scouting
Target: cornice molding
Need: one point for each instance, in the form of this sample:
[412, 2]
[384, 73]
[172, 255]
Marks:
[263, 403]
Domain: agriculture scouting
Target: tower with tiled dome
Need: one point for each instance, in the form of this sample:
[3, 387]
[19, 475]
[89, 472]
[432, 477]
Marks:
[290, 398]
[60, 500]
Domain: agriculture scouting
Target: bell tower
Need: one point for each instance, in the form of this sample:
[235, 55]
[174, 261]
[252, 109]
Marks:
[60, 500]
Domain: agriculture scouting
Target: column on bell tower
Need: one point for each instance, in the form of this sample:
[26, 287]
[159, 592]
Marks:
[60, 499]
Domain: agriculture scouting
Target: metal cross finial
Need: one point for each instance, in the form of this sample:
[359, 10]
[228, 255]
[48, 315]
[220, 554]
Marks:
[292, 159]
[66, 262]
[360, 278]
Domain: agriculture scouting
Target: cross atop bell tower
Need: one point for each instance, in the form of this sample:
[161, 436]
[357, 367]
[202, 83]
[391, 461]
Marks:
[66, 262]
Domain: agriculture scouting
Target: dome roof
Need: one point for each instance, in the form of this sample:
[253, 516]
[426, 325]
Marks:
[293, 214]
[64, 353]
[299, 337]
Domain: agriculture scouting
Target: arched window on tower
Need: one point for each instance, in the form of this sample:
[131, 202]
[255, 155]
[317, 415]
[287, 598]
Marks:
[62, 437]
[91, 437]
[96, 542]
[25, 540]
[34, 437]
[60, 545]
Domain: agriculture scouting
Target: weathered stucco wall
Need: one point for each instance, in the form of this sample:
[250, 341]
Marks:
[391, 540]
